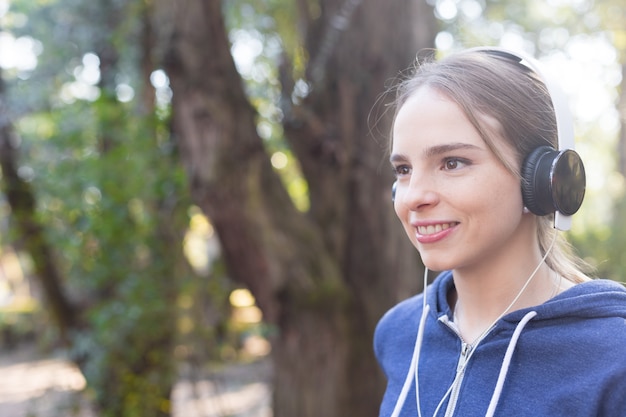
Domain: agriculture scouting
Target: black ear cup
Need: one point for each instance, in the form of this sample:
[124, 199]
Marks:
[568, 182]
[535, 181]
[553, 181]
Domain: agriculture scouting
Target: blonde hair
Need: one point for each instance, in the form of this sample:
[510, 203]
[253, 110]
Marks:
[485, 84]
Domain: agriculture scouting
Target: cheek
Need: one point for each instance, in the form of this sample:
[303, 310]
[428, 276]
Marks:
[502, 198]
[493, 193]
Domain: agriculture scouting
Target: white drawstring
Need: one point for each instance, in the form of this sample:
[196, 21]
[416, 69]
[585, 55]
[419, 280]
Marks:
[420, 337]
[504, 369]
[415, 358]
[413, 365]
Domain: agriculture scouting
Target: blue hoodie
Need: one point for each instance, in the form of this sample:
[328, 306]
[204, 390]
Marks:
[566, 357]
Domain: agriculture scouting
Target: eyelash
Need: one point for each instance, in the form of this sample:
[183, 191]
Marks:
[402, 170]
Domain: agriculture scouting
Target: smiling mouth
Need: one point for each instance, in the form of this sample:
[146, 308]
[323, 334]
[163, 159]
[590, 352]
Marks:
[434, 228]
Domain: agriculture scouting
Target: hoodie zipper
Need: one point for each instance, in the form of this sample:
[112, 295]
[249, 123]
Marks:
[465, 354]
[466, 349]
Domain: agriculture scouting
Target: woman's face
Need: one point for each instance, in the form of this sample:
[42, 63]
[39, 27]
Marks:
[458, 203]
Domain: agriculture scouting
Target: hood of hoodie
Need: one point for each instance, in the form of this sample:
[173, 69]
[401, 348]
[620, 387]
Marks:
[598, 298]
[592, 299]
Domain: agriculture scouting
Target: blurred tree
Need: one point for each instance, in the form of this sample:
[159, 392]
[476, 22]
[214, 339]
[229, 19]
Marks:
[97, 197]
[21, 200]
[612, 14]
[324, 276]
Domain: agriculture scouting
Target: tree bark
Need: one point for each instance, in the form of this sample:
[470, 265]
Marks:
[324, 277]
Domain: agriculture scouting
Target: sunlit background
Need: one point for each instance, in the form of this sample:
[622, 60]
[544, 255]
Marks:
[587, 65]
[587, 68]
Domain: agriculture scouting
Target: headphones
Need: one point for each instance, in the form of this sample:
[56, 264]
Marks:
[553, 181]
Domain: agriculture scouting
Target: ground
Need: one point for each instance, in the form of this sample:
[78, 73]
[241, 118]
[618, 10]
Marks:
[32, 385]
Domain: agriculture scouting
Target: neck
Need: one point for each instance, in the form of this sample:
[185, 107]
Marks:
[483, 295]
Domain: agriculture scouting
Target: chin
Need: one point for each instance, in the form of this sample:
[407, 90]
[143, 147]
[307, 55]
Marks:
[436, 265]
[437, 268]
[433, 259]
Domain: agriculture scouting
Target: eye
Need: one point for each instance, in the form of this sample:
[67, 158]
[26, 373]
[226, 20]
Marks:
[453, 163]
[401, 170]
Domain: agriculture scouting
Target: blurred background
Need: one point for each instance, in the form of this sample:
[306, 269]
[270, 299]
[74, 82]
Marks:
[195, 213]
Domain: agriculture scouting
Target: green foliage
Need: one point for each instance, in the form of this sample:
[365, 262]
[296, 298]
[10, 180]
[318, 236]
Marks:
[113, 200]
[603, 247]
[18, 322]
[107, 213]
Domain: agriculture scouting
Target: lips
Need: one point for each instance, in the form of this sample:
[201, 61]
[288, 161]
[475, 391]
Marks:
[433, 232]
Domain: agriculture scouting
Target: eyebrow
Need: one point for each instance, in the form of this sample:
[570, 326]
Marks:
[438, 150]
[448, 147]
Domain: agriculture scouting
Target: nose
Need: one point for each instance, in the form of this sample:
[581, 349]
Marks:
[416, 194]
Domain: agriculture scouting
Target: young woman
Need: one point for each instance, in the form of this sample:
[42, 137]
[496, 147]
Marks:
[512, 327]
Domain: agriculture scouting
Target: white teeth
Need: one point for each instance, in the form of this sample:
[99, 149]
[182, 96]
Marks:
[433, 228]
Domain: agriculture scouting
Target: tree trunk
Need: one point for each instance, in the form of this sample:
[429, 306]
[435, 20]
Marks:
[324, 277]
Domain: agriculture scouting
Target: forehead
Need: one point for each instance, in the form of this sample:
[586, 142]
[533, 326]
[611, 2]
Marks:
[429, 118]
